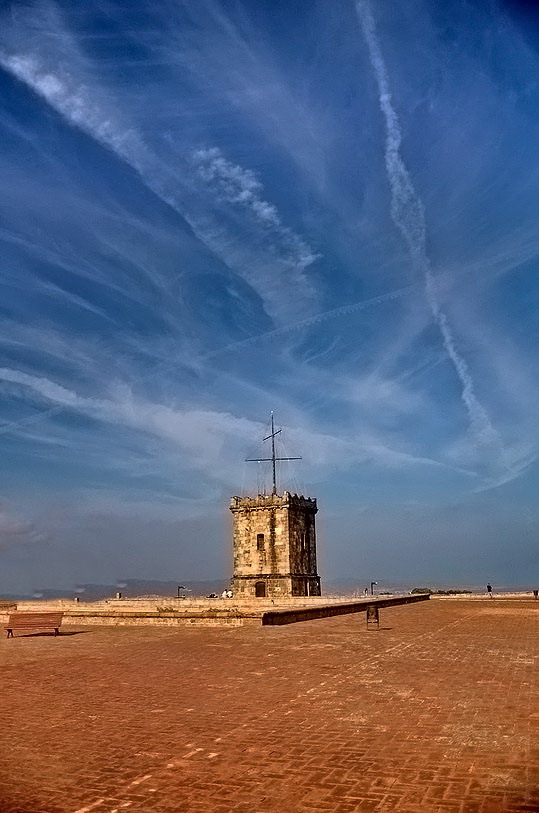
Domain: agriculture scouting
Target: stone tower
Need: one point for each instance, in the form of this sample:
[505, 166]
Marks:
[274, 542]
[274, 546]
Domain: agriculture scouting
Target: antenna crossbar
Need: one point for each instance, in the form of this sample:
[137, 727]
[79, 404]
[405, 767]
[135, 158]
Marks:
[269, 459]
[273, 459]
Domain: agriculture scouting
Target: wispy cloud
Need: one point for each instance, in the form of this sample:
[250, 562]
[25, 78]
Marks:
[81, 101]
[199, 433]
[75, 102]
[240, 186]
[15, 531]
[203, 436]
[287, 255]
[230, 59]
[408, 214]
[200, 223]
[236, 185]
[317, 319]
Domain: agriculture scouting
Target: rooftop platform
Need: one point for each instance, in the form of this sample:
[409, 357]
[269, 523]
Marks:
[438, 710]
[207, 612]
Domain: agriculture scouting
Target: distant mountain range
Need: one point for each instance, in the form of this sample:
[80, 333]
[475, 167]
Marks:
[130, 588]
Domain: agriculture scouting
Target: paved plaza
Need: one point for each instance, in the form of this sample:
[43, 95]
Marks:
[436, 711]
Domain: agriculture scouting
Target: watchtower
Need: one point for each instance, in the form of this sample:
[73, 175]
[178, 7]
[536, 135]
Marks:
[274, 541]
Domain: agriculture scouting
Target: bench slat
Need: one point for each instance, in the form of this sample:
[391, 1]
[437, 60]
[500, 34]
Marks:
[33, 621]
[18, 624]
[35, 616]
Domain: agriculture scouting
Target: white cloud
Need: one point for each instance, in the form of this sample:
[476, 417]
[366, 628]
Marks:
[47, 389]
[275, 272]
[76, 102]
[287, 255]
[208, 438]
[235, 184]
[384, 395]
[15, 531]
[407, 212]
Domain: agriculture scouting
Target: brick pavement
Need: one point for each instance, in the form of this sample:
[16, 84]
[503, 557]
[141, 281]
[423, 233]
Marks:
[436, 711]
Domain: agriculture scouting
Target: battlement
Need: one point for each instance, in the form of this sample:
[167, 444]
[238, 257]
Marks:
[286, 500]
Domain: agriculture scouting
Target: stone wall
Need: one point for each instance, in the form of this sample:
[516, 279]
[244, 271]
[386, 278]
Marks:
[165, 604]
[260, 536]
[229, 613]
[274, 546]
[164, 611]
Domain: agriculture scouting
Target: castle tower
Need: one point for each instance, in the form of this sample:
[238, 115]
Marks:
[274, 546]
[274, 542]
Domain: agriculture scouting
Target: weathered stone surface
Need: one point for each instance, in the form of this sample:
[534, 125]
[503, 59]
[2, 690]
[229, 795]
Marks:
[275, 546]
[207, 612]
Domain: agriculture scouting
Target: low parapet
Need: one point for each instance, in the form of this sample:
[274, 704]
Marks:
[208, 612]
[278, 617]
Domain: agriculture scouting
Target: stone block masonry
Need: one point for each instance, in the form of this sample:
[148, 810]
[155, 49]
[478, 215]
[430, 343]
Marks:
[274, 541]
[207, 612]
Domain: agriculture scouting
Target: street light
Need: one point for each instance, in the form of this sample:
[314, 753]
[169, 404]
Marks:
[372, 585]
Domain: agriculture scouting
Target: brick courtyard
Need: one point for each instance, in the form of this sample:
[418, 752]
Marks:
[436, 711]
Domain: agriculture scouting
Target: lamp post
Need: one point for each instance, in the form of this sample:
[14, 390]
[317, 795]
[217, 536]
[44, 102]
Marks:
[372, 586]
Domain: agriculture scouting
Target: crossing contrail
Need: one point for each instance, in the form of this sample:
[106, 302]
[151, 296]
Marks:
[352, 307]
[408, 214]
[309, 321]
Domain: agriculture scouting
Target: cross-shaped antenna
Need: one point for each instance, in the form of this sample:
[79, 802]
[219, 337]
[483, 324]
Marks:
[272, 458]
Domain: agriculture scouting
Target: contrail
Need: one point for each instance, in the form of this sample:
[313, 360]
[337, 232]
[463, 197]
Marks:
[12, 426]
[408, 215]
[343, 310]
[78, 103]
[353, 307]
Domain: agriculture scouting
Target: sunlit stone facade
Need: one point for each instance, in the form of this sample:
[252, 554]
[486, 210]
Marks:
[274, 546]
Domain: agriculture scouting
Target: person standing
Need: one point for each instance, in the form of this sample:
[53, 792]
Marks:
[489, 590]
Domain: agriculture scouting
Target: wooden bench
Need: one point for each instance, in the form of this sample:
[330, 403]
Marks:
[30, 622]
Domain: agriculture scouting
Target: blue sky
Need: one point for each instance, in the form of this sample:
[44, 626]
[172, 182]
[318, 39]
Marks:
[212, 210]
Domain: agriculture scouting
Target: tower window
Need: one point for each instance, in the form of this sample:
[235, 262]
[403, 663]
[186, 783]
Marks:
[260, 541]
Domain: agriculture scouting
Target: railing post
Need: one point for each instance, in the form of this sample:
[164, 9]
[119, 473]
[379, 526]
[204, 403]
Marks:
[373, 617]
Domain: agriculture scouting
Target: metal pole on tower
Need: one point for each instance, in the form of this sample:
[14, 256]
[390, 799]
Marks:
[274, 491]
[273, 457]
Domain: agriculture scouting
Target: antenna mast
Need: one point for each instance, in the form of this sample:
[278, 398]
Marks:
[273, 458]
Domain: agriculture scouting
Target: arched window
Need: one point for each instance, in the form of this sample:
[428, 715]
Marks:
[260, 589]
[260, 541]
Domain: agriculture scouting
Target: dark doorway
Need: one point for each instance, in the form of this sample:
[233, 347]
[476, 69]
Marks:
[260, 589]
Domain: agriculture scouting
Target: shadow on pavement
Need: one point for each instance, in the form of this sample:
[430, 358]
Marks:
[52, 635]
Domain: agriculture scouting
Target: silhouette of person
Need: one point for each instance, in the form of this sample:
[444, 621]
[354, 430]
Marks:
[489, 590]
